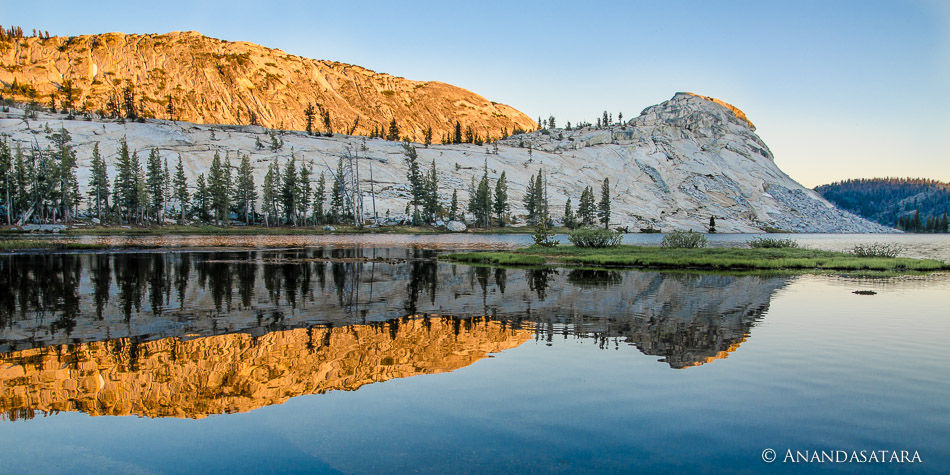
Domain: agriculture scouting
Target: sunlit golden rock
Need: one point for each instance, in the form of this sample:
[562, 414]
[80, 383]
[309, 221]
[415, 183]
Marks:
[221, 82]
[238, 372]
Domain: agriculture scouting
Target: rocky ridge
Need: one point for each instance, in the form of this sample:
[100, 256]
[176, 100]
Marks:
[673, 167]
[223, 82]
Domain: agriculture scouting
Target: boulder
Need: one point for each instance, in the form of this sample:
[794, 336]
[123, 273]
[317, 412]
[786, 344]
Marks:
[456, 226]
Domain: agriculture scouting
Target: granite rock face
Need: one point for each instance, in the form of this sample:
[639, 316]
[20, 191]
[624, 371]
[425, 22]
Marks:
[673, 167]
[223, 82]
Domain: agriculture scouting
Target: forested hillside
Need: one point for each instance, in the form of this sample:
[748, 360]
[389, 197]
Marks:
[912, 204]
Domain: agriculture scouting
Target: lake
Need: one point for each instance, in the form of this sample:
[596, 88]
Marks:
[350, 354]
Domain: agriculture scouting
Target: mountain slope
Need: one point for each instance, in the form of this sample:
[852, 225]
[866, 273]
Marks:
[672, 167]
[220, 82]
[885, 200]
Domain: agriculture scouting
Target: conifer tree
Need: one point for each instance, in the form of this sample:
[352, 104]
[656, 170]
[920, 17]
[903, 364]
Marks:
[457, 138]
[483, 199]
[427, 137]
[141, 188]
[23, 172]
[219, 178]
[309, 113]
[417, 186]
[500, 205]
[167, 189]
[245, 195]
[603, 208]
[7, 179]
[430, 205]
[304, 190]
[338, 195]
[202, 200]
[125, 195]
[570, 221]
[319, 196]
[181, 189]
[393, 134]
[454, 206]
[156, 184]
[586, 208]
[530, 201]
[270, 193]
[289, 191]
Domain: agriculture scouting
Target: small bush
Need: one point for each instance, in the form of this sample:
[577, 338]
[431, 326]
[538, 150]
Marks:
[544, 236]
[594, 237]
[684, 239]
[772, 243]
[877, 249]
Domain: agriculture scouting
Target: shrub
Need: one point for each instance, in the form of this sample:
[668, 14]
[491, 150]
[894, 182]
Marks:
[773, 243]
[684, 239]
[544, 236]
[877, 249]
[594, 237]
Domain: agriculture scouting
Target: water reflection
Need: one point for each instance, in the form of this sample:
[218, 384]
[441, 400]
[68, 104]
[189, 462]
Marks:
[198, 333]
[237, 372]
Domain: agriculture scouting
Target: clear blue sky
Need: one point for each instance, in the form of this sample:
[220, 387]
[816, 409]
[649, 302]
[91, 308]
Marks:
[837, 89]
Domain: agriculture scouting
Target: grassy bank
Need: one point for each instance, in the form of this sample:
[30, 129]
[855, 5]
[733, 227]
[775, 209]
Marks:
[702, 259]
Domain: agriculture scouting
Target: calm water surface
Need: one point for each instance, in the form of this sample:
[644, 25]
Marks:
[338, 357]
[933, 246]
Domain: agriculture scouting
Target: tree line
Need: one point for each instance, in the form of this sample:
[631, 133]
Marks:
[910, 204]
[40, 185]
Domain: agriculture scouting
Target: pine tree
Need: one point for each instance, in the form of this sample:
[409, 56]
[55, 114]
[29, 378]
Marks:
[338, 195]
[23, 172]
[319, 196]
[603, 208]
[427, 137]
[289, 191]
[181, 189]
[393, 134]
[270, 193]
[156, 184]
[501, 206]
[586, 208]
[245, 195]
[167, 189]
[457, 138]
[454, 207]
[570, 221]
[62, 171]
[141, 188]
[712, 225]
[218, 189]
[309, 113]
[7, 179]
[125, 196]
[483, 199]
[304, 190]
[430, 205]
[530, 201]
[202, 200]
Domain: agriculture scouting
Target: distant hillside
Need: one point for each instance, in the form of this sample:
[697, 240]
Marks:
[886, 200]
[220, 82]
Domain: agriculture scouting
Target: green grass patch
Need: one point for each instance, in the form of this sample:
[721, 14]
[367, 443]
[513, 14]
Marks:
[730, 259]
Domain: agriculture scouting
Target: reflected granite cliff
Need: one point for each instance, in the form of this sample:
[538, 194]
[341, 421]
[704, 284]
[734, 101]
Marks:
[237, 372]
[189, 334]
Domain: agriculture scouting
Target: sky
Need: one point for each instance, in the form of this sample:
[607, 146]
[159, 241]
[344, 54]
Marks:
[837, 89]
